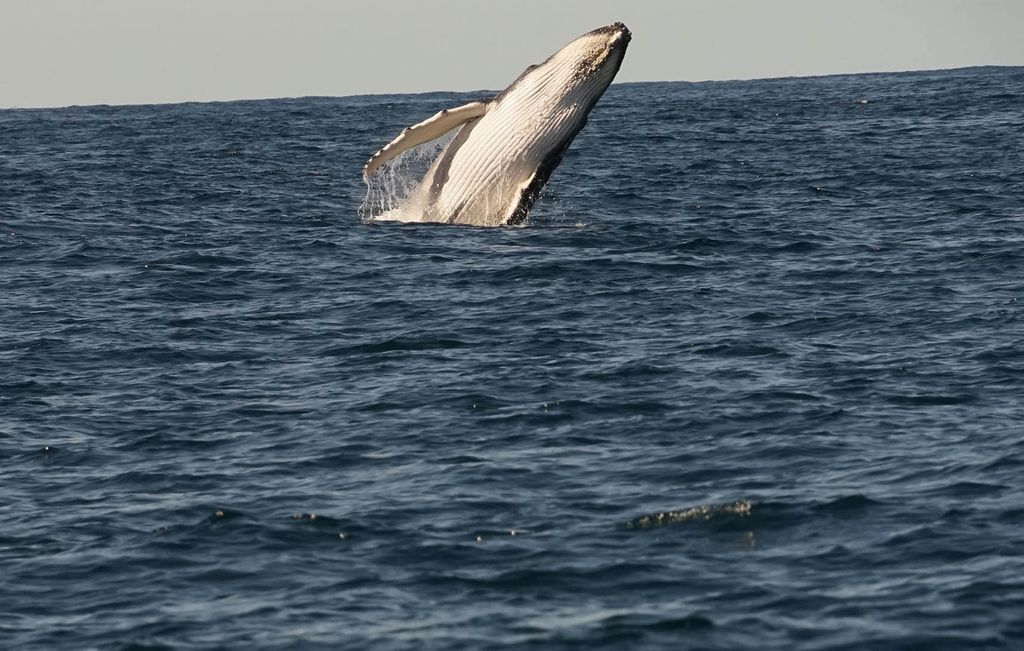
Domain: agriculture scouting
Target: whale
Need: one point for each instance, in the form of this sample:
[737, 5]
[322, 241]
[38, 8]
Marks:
[506, 147]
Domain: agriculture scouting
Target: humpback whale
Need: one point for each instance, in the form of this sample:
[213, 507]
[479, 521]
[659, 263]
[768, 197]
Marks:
[491, 172]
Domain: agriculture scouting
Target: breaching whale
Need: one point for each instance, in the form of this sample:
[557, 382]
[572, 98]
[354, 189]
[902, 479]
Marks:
[491, 172]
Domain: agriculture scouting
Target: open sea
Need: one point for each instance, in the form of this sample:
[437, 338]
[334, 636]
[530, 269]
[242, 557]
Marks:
[751, 376]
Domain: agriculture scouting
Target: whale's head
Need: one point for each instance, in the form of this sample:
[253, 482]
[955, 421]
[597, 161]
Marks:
[592, 60]
[579, 73]
[598, 52]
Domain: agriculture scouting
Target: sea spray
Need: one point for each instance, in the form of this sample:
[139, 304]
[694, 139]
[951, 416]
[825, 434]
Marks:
[389, 189]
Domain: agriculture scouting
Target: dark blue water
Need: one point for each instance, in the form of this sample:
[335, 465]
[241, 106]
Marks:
[751, 377]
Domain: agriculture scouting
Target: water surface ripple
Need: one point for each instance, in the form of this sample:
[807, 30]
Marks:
[751, 377]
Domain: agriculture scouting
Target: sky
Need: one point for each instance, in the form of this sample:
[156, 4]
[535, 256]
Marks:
[67, 52]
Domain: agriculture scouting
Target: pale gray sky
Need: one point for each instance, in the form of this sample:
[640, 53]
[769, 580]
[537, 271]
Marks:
[61, 52]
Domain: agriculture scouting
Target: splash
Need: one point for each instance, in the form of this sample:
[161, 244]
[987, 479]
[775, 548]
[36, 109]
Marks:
[390, 190]
[740, 508]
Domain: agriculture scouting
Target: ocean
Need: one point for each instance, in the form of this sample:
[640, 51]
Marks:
[751, 376]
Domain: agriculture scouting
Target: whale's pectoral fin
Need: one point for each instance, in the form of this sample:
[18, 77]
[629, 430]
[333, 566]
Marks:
[425, 131]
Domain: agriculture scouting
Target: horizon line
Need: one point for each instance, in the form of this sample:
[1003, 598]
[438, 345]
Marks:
[464, 91]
